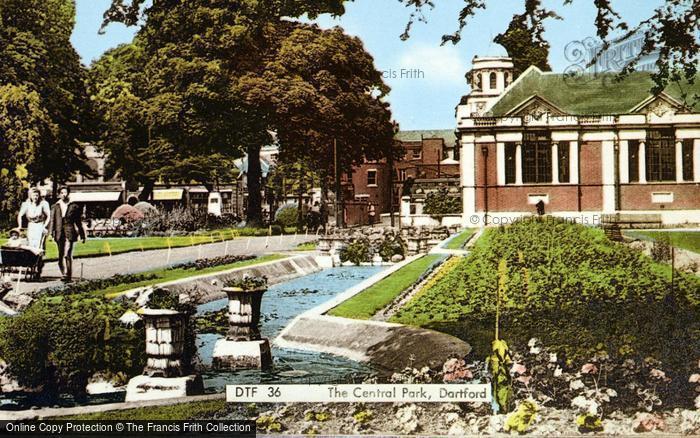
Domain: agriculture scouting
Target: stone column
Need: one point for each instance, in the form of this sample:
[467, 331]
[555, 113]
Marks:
[573, 162]
[243, 346]
[642, 162]
[519, 164]
[679, 161]
[405, 210]
[624, 166]
[165, 336]
[164, 374]
[500, 164]
[696, 160]
[555, 163]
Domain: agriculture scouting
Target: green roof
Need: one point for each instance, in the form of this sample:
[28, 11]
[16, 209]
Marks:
[448, 135]
[587, 95]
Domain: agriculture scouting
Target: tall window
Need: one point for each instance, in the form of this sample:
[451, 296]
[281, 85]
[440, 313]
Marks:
[537, 158]
[688, 160]
[633, 160]
[506, 78]
[493, 81]
[563, 159]
[661, 155]
[510, 163]
[372, 177]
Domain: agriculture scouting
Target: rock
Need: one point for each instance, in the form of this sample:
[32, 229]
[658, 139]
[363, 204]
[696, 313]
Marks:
[495, 424]
[396, 258]
[690, 422]
[460, 428]
[646, 422]
[451, 417]
[408, 419]
[129, 318]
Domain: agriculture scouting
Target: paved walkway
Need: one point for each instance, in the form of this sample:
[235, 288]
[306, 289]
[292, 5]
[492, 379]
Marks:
[135, 262]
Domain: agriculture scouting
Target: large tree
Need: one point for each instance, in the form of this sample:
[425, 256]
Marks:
[43, 101]
[524, 40]
[673, 30]
[321, 92]
[205, 72]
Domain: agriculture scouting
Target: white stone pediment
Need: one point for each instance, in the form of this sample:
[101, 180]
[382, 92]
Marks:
[661, 108]
[536, 108]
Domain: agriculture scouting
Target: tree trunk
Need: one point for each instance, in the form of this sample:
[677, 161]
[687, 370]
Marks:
[147, 191]
[254, 180]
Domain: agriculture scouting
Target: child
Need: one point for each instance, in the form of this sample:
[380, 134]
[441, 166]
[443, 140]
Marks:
[17, 241]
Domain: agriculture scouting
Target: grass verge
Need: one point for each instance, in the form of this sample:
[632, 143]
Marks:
[119, 245]
[459, 241]
[185, 411]
[166, 275]
[689, 240]
[368, 302]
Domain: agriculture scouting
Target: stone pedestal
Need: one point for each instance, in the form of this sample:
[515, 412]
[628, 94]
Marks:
[163, 376]
[142, 388]
[242, 354]
[243, 346]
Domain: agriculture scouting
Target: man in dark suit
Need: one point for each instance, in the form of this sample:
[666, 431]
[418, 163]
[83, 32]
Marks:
[66, 226]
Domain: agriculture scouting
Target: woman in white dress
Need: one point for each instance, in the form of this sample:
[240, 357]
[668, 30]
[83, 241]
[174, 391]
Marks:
[37, 212]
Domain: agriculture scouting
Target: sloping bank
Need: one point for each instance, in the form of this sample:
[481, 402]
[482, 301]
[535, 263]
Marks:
[388, 347]
[209, 286]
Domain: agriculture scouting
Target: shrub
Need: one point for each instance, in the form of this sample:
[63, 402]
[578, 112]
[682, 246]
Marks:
[59, 344]
[287, 215]
[661, 249]
[200, 264]
[356, 252]
[88, 286]
[440, 202]
[391, 246]
[248, 282]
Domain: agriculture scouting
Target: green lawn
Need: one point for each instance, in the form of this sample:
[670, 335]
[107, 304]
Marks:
[689, 240]
[459, 241]
[166, 275]
[368, 302]
[118, 245]
[183, 411]
[308, 246]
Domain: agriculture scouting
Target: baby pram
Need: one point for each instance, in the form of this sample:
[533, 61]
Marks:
[22, 261]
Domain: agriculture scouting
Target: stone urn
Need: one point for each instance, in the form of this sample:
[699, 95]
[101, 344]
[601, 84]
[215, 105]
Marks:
[243, 346]
[164, 374]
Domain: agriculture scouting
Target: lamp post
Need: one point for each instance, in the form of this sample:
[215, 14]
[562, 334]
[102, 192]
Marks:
[485, 155]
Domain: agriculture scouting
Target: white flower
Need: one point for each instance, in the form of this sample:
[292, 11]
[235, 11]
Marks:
[576, 385]
[552, 357]
[585, 405]
[535, 350]
[557, 371]
[611, 392]
[697, 402]
[532, 342]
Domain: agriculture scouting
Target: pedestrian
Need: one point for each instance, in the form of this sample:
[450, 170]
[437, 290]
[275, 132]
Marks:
[66, 226]
[372, 213]
[36, 211]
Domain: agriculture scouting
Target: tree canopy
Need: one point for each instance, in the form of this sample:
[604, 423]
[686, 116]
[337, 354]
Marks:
[219, 78]
[44, 108]
[672, 30]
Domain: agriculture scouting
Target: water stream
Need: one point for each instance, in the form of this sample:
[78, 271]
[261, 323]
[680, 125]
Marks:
[281, 303]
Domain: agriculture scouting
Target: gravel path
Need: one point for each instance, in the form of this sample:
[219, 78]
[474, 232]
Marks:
[135, 262]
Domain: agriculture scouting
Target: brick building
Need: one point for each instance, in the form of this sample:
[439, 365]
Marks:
[428, 155]
[586, 147]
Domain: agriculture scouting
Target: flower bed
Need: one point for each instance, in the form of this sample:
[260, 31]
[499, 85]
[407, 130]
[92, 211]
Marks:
[579, 293]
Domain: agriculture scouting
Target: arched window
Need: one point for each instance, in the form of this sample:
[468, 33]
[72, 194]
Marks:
[493, 81]
[507, 78]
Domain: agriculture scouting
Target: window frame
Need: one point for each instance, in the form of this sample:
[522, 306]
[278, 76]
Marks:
[537, 158]
[660, 157]
[376, 179]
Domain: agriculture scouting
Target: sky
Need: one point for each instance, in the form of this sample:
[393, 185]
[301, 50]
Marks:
[433, 75]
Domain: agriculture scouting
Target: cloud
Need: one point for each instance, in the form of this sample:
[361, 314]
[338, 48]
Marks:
[441, 65]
